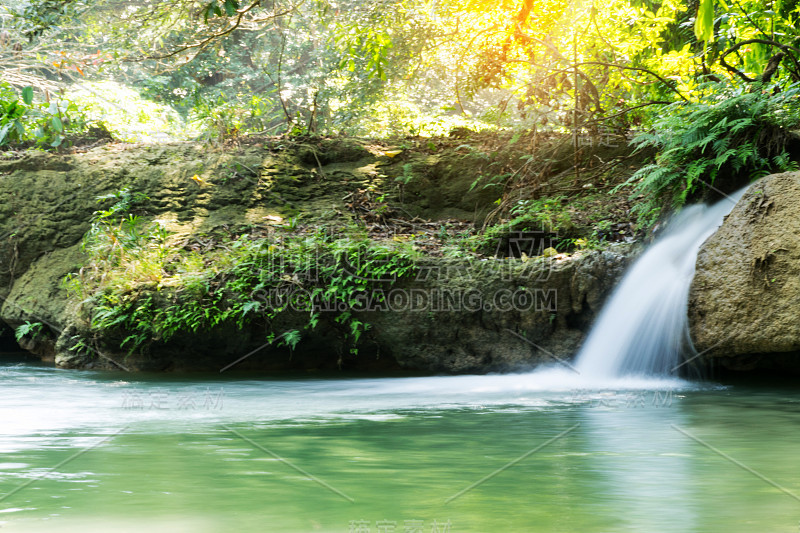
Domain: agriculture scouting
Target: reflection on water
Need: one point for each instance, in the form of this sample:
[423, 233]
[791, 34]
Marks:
[197, 453]
[642, 464]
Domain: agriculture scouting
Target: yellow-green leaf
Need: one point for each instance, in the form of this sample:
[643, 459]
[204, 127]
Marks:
[704, 23]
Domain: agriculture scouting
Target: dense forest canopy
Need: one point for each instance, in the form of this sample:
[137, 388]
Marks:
[230, 68]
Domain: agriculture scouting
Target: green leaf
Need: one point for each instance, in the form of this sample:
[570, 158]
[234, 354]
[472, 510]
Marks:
[212, 10]
[57, 125]
[27, 95]
[20, 128]
[704, 23]
[230, 8]
[250, 306]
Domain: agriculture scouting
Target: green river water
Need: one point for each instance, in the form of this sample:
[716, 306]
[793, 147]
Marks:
[90, 451]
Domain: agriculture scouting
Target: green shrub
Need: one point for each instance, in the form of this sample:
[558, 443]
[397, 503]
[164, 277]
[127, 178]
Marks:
[730, 133]
[143, 284]
[47, 124]
[547, 216]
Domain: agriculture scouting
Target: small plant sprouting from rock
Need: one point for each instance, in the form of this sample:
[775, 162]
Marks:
[31, 330]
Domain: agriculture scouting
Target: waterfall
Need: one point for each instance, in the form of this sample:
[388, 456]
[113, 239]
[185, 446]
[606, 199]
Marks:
[643, 328]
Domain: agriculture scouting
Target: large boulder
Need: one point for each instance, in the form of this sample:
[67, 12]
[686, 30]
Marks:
[40, 296]
[744, 302]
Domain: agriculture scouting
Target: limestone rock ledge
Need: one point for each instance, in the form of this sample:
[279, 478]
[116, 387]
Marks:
[47, 203]
[485, 316]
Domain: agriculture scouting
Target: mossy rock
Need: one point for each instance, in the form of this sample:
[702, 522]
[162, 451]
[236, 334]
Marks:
[330, 151]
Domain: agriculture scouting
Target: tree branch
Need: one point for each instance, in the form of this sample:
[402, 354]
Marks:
[558, 55]
[751, 21]
[627, 110]
[767, 75]
[637, 69]
[203, 42]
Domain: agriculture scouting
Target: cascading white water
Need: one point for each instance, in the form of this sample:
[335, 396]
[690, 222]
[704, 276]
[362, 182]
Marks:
[643, 329]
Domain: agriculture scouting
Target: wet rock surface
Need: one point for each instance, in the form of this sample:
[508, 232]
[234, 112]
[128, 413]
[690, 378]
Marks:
[743, 303]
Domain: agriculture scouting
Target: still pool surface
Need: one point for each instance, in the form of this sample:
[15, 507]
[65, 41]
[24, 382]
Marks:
[88, 451]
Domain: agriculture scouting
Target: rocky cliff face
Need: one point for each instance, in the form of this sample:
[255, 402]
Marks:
[453, 315]
[743, 304]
